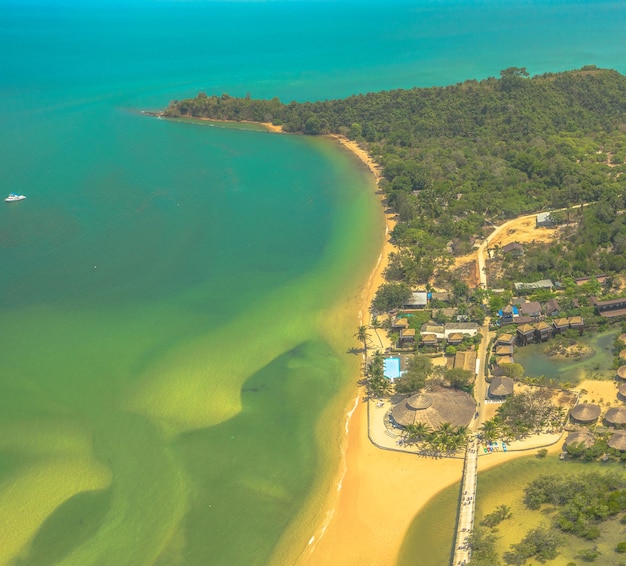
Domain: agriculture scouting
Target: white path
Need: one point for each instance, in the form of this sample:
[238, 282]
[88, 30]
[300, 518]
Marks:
[467, 506]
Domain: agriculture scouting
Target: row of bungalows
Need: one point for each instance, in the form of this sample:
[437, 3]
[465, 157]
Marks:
[503, 348]
[610, 308]
[542, 331]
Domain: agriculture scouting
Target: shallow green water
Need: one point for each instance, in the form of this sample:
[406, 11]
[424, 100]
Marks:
[596, 365]
[175, 299]
[430, 538]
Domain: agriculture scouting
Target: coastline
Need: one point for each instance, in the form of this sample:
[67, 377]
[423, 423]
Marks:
[374, 494]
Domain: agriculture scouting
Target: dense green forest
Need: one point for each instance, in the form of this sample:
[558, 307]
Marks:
[455, 159]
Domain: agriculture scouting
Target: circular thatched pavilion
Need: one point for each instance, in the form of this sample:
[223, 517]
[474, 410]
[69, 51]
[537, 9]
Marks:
[622, 354]
[618, 441]
[616, 416]
[433, 408]
[622, 338]
[580, 437]
[585, 413]
[621, 372]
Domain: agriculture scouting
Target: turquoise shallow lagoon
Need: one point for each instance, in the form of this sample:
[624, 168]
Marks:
[177, 300]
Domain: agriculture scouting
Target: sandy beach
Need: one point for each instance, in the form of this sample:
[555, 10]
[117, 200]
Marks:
[379, 492]
[375, 493]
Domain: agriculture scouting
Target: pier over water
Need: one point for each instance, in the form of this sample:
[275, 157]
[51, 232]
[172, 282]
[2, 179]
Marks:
[467, 505]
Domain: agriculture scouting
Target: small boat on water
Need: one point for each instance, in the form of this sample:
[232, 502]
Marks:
[14, 197]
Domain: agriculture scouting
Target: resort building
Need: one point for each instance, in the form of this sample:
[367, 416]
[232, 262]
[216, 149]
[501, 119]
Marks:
[508, 314]
[543, 331]
[618, 441]
[504, 351]
[552, 308]
[514, 249]
[455, 338]
[544, 220]
[418, 300]
[525, 334]
[443, 297]
[580, 438]
[465, 360]
[438, 330]
[531, 309]
[433, 408]
[611, 308]
[542, 284]
[469, 328]
[399, 324]
[500, 388]
[407, 335]
[429, 340]
[577, 323]
[560, 325]
[599, 278]
[505, 340]
[585, 413]
[616, 417]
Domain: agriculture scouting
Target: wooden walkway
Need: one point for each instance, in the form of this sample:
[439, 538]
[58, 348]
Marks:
[467, 505]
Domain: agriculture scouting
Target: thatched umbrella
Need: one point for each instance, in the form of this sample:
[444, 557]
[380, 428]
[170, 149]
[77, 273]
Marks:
[579, 437]
[616, 416]
[585, 413]
[618, 441]
[501, 387]
[622, 392]
[621, 372]
[441, 405]
[622, 354]
[622, 338]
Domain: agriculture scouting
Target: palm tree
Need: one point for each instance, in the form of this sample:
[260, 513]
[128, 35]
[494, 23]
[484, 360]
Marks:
[362, 336]
[489, 430]
[461, 432]
[375, 326]
[418, 431]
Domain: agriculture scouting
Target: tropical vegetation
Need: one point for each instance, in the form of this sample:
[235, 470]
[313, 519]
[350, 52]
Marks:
[457, 159]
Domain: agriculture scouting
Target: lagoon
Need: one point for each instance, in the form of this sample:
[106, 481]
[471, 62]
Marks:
[598, 364]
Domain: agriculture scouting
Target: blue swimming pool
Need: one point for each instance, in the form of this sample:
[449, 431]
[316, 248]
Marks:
[392, 368]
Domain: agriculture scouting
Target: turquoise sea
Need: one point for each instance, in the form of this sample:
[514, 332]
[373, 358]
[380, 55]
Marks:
[177, 301]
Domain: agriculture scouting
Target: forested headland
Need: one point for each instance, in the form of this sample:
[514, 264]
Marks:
[456, 159]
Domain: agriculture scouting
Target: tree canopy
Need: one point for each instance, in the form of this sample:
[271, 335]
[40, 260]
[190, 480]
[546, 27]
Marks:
[454, 157]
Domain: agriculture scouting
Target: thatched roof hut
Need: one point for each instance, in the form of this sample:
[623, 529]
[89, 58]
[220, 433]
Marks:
[616, 416]
[621, 372]
[441, 405]
[501, 387]
[622, 338]
[579, 437]
[618, 441]
[622, 354]
[585, 413]
[621, 394]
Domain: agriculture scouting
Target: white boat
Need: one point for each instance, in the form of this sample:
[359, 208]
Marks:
[14, 197]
